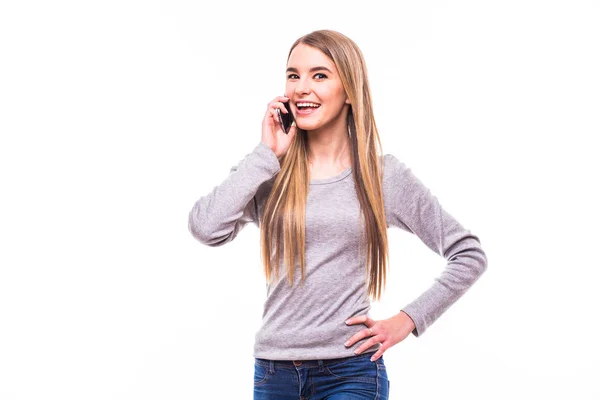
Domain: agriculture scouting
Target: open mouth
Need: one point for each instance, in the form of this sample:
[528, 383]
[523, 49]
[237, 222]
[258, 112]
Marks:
[305, 108]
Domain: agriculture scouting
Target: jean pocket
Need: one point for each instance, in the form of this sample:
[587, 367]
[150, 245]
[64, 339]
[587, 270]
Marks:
[358, 369]
[260, 374]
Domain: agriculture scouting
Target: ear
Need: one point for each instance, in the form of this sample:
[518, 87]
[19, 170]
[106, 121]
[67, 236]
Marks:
[347, 101]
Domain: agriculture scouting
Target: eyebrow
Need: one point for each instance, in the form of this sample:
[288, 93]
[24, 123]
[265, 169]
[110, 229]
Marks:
[313, 69]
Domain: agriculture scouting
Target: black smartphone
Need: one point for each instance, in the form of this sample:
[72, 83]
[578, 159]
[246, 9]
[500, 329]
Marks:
[285, 119]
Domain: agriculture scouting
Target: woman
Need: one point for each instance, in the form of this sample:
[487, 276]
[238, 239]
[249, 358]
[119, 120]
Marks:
[323, 198]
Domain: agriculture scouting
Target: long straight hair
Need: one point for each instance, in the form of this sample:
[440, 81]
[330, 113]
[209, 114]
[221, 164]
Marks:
[284, 212]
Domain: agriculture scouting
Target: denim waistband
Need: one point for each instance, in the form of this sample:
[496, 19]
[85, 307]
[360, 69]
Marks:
[310, 363]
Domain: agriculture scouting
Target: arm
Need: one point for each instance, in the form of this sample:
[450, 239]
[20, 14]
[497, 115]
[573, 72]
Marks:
[217, 218]
[414, 208]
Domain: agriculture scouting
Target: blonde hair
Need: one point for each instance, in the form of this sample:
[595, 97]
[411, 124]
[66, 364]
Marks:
[284, 211]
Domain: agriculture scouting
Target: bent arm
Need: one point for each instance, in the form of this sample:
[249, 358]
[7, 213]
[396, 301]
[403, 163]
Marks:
[217, 218]
[415, 209]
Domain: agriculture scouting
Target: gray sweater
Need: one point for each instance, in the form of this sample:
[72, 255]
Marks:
[303, 323]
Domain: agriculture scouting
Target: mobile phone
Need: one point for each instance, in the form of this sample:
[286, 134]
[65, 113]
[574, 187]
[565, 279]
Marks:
[285, 120]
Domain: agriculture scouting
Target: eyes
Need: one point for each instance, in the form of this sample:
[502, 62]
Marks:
[294, 76]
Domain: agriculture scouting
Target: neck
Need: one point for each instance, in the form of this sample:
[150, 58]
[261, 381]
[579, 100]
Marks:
[329, 146]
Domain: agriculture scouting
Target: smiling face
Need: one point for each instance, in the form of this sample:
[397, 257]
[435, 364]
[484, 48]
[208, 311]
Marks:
[316, 93]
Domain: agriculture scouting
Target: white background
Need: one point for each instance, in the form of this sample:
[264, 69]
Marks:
[116, 116]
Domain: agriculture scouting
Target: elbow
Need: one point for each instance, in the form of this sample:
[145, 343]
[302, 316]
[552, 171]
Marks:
[478, 265]
[199, 228]
[202, 232]
[477, 258]
[195, 227]
[483, 262]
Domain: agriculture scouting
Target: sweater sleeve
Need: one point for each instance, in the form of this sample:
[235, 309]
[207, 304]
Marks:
[412, 207]
[217, 218]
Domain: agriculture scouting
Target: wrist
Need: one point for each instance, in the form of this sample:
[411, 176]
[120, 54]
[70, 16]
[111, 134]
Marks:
[407, 320]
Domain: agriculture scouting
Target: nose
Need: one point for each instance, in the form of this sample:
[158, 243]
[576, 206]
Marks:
[303, 87]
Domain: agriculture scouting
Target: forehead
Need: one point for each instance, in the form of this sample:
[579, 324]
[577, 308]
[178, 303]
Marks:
[304, 57]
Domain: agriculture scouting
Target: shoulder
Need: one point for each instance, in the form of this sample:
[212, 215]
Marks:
[393, 167]
[399, 178]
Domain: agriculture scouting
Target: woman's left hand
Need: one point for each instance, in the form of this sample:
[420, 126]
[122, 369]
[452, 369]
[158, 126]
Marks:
[388, 332]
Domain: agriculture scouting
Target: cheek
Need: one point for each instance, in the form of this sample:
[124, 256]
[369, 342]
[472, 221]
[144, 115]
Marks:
[341, 96]
[335, 97]
[290, 87]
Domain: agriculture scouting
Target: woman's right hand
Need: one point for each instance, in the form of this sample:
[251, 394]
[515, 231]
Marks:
[272, 134]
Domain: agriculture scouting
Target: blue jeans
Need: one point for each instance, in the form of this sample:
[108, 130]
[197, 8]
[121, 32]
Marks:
[348, 378]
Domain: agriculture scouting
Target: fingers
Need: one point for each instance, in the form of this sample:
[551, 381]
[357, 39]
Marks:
[378, 353]
[278, 103]
[368, 344]
[364, 333]
[376, 332]
[361, 319]
[276, 119]
[274, 105]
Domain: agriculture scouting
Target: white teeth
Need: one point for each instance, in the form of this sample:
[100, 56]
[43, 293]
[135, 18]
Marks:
[307, 105]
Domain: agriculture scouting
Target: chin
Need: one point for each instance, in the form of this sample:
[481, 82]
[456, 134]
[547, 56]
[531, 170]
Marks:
[308, 127]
